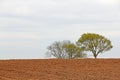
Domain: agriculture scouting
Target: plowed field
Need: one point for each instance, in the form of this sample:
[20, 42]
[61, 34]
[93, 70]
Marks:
[60, 69]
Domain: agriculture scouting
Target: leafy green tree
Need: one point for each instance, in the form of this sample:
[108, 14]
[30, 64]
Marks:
[74, 51]
[65, 50]
[94, 43]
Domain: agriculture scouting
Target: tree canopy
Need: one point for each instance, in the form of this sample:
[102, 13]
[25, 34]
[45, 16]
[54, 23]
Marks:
[95, 43]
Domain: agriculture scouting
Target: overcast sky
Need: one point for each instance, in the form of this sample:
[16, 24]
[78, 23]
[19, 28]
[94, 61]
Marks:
[27, 27]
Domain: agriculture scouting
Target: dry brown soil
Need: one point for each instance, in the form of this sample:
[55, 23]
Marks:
[60, 69]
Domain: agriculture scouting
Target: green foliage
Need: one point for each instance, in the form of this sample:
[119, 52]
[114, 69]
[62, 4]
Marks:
[65, 50]
[95, 43]
[73, 51]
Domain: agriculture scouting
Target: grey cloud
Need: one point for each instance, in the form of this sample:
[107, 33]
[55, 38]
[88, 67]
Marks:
[61, 12]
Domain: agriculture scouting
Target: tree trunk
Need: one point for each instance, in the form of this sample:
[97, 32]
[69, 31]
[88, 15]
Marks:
[95, 55]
